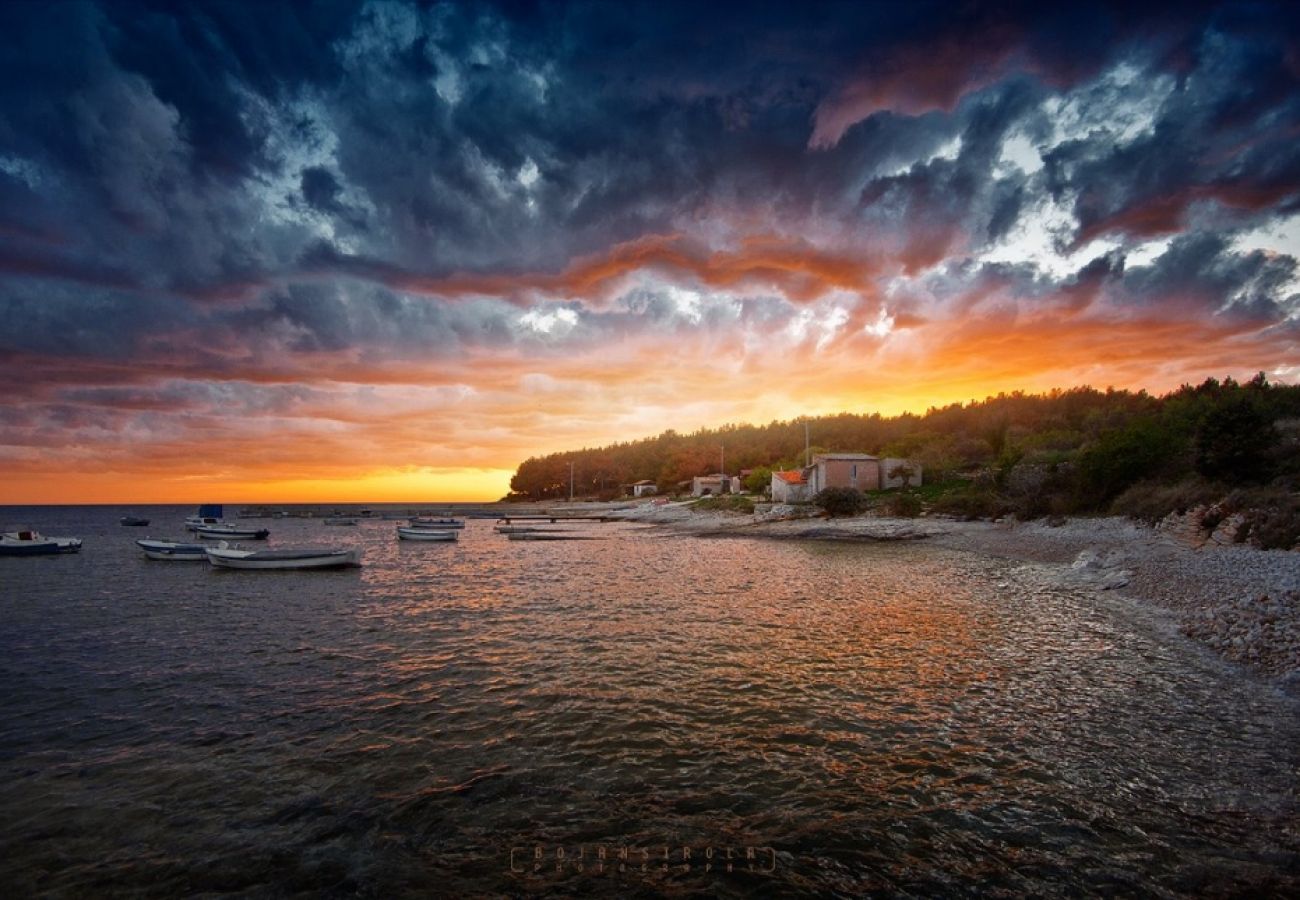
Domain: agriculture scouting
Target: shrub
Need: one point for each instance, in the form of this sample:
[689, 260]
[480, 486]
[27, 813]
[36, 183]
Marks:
[1119, 459]
[1149, 503]
[903, 504]
[837, 501]
[725, 502]
[977, 503]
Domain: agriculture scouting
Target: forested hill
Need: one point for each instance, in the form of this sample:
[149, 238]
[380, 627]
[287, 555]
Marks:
[1106, 441]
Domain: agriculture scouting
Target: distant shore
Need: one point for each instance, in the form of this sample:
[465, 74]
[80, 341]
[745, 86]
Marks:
[1242, 602]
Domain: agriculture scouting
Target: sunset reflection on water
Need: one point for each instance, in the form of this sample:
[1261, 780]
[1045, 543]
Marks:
[886, 718]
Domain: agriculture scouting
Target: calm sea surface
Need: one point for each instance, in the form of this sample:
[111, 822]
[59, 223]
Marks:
[822, 719]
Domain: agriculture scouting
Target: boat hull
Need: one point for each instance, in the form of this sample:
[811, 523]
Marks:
[426, 534]
[229, 533]
[31, 543]
[271, 560]
[173, 551]
[549, 536]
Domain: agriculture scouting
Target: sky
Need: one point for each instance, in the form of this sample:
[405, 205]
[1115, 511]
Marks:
[385, 251]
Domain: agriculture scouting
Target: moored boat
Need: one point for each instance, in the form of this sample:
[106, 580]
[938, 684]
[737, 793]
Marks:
[225, 556]
[176, 551]
[426, 522]
[209, 514]
[227, 531]
[549, 536]
[406, 533]
[340, 520]
[133, 521]
[32, 543]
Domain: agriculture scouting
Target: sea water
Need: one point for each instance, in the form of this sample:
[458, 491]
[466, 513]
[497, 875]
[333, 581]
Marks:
[634, 715]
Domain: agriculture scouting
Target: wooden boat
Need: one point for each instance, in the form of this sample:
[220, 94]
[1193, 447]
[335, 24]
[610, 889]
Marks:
[406, 533]
[549, 536]
[225, 556]
[226, 531]
[32, 543]
[423, 522]
[176, 551]
[340, 520]
[133, 521]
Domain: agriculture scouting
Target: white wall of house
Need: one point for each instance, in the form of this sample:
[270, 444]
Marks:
[785, 492]
[711, 483]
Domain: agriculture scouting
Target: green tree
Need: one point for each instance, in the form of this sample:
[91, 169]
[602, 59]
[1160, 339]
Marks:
[758, 480]
[1234, 440]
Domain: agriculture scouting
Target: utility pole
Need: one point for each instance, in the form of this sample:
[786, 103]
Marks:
[570, 482]
[807, 458]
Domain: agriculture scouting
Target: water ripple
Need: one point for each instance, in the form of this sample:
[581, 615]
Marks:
[890, 720]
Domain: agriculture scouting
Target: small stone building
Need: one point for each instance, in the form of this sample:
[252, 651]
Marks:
[790, 487]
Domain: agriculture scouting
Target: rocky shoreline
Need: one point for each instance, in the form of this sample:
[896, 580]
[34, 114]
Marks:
[1240, 601]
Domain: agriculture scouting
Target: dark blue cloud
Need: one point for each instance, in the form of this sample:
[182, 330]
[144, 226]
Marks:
[224, 153]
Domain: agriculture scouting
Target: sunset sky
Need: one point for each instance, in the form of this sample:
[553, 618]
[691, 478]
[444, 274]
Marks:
[386, 251]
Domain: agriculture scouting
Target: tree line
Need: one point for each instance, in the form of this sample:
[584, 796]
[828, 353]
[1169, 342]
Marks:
[1064, 451]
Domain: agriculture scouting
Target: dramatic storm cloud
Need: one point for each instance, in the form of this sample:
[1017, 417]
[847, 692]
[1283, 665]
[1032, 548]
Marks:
[389, 249]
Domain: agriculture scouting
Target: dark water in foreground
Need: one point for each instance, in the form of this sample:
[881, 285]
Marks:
[891, 720]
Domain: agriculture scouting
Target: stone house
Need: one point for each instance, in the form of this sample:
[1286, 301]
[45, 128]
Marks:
[642, 488]
[790, 487]
[857, 470]
[709, 484]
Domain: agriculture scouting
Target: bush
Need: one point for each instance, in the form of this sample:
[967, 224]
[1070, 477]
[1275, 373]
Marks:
[726, 502]
[1120, 459]
[977, 503]
[1149, 503]
[840, 501]
[903, 504]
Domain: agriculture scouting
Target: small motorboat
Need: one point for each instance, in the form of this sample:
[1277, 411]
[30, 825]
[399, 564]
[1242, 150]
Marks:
[340, 520]
[225, 556]
[209, 514]
[226, 531]
[424, 522]
[134, 521]
[176, 551]
[406, 533]
[33, 543]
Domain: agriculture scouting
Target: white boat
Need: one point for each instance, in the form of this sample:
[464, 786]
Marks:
[209, 514]
[424, 522]
[405, 533]
[226, 531]
[32, 543]
[340, 520]
[226, 556]
[177, 551]
[550, 536]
